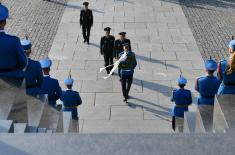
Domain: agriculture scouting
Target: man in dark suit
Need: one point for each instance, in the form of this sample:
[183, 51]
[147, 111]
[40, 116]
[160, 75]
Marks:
[86, 21]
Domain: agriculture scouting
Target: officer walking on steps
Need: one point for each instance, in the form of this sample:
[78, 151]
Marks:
[106, 49]
[127, 67]
[12, 57]
[86, 21]
[70, 98]
[182, 98]
[119, 44]
[50, 86]
[208, 85]
[33, 73]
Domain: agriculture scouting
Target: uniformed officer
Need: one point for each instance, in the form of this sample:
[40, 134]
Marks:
[222, 65]
[118, 47]
[70, 98]
[86, 21]
[33, 72]
[182, 98]
[50, 86]
[106, 49]
[208, 85]
[12, 57]
[119, 44]
[228, 76]
[127, 67]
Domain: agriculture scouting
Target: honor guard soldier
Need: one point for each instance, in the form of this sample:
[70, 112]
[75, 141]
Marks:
[208, 85]
[86, 21]
[50, 86]
[226, 72]
[12, 57]
[33, 72]
[70, 98]
[127, 67]
[182, 98]
[106, 49]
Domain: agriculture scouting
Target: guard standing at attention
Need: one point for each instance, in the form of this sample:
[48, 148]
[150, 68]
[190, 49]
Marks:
[86, 21]
[33, 72]
[182, 98]
[228, 76]
[223, 64]
[12, 57]
[127, 67]
[208, 85]
[70, 98]
[106, 49]
[50, 86]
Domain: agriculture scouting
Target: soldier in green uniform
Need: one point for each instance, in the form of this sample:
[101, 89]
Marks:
[127, 66]
[106, 49]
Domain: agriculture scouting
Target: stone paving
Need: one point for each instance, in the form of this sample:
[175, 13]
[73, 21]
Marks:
[212, 23]
[38, 19]
[164, 46]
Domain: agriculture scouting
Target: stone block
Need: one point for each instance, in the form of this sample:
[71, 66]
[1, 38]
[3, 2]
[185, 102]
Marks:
[206, 112]
[20, 127]
[95, 113]
[223, 118]
[193, 123]
[6, 126]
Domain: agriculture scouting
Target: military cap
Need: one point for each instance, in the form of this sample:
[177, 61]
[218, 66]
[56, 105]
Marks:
[26, 44]
[45, 63]
[68, 81]
[86, 3]
[182, 80]
[122, 33]
[210, 65]
[126, 45]
[232, 44]
[4, 13]
[107, 29]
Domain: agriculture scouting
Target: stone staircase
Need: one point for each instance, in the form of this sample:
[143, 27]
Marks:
[21, 113]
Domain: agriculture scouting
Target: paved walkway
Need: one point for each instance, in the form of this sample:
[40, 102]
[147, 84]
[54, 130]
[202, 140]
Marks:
[164, 46]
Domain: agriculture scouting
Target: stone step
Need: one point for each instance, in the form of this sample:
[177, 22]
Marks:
[31, 129]
[20, 127]
[106, 144]
[126, 126]
[42, 130]
[6, 126]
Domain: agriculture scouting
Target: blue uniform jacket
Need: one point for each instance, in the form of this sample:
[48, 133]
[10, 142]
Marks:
[127, 67]
[33, 77]
[182, 98]
[207, 87]
[222, 65]
[52, 88]
[228, 84]
[12, 57]
[71, 99]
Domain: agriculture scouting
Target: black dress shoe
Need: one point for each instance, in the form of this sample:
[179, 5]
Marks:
[84, 40]
[125, 100]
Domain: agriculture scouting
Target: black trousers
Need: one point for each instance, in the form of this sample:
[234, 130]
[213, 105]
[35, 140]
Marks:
[108, 60]
[126, 84]
[86, 32]
[173, 123]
